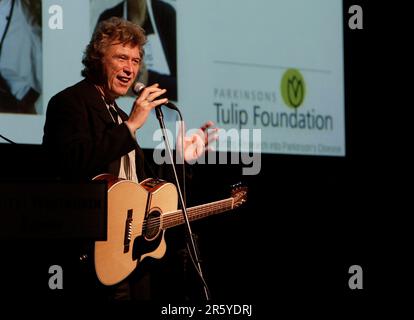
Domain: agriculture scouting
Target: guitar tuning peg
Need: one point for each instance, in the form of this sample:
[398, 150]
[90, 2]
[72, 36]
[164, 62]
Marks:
[236, 185]
[83, 257]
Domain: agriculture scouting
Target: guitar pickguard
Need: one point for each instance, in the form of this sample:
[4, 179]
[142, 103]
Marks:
[142, 246]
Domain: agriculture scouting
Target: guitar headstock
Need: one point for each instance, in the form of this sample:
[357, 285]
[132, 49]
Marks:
[239, 194]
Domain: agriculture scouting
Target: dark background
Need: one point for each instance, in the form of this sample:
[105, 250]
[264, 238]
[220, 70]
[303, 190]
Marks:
[307, 219]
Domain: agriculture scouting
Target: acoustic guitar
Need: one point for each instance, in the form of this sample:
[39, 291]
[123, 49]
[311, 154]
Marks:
[138, 215]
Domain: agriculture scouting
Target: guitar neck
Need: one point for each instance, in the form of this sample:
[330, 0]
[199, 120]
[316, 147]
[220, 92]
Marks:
[172, 219]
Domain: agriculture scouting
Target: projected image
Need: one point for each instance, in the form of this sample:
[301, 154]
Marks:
[158, 19]
[20, 56]
[274, 67]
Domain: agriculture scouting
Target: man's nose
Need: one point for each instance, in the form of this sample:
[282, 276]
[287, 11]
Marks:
[128, 67]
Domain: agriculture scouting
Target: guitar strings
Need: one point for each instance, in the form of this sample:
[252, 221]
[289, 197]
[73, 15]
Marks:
[176, 216]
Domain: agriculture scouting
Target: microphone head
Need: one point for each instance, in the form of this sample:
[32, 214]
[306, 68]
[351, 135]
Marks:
[138, 87]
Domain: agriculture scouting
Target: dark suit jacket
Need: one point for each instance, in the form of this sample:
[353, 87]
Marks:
[165, 20]
[82, 138]
[84, 141]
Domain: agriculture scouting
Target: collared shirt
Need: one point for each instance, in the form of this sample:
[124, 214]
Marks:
[127, 169]
[21, 56]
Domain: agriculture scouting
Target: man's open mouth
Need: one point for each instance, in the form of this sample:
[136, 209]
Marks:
[124, 80]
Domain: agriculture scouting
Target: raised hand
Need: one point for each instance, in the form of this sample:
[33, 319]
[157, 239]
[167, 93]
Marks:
[196, 144]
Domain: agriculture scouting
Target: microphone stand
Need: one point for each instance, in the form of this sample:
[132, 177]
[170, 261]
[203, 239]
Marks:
[192, 245]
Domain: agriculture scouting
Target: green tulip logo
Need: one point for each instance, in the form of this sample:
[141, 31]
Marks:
[293, 88]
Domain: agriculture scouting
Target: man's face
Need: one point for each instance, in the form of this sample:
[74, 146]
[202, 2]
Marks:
[120, 66]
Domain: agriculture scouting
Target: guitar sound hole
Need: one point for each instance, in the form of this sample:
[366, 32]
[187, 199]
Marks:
[152, 226]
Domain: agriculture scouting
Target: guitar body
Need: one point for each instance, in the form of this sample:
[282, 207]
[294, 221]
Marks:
[133, 230]
[138, 214]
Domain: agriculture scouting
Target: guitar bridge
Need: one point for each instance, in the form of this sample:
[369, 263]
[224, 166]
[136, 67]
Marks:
[128, 231]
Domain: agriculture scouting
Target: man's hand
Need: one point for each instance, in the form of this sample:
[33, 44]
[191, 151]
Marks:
[198, 143]
[143, 105]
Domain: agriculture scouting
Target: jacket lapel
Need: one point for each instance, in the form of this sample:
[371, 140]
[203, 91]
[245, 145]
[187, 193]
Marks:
[95, 100]
[121, 113]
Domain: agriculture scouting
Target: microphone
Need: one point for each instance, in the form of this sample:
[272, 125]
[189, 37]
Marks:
[139, 86]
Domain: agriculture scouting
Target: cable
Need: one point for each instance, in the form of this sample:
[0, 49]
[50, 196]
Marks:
[8, 140]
